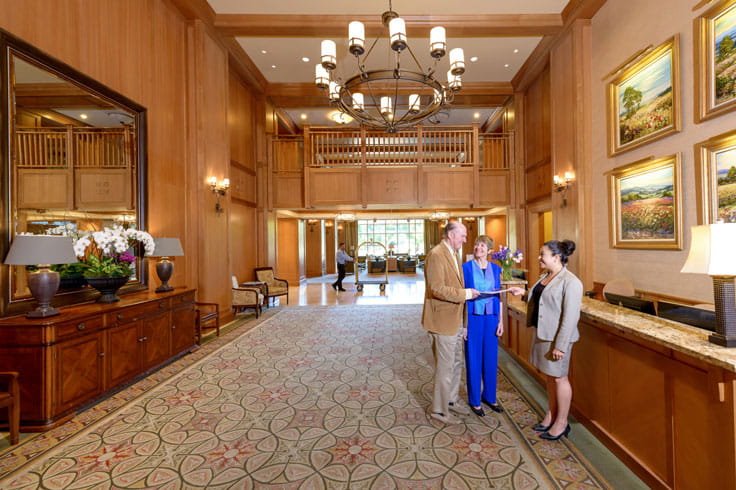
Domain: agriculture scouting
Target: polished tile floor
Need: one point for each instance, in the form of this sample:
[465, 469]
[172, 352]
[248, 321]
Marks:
[401, 289]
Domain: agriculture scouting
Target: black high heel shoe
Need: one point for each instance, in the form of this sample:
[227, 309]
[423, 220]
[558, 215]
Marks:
[494, 406]
[478, 411]
[549, 437]
[541, 428]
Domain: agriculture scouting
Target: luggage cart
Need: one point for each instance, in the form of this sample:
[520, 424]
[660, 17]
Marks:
[381, 282]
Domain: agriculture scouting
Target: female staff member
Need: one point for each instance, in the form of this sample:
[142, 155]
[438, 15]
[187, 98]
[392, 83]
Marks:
[554, 309]
[484, 328]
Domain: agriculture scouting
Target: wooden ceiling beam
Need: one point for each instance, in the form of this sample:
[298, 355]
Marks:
[324, 26]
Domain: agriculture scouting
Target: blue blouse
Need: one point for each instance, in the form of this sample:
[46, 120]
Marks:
[483, 280]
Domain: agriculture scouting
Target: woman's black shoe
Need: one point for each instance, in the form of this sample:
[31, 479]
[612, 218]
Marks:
[549, 437]
[541, 428]
[494, 406]
[478, 411]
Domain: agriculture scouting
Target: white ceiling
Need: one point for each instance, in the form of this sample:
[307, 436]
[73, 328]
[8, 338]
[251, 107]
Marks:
[499, 58]
[287, 53]
[403, 7]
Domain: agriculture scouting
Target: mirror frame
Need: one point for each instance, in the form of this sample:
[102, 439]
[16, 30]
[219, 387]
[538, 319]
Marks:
[8, 44]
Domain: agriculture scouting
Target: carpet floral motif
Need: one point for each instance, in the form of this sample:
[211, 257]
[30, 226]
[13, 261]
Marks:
[314, 397]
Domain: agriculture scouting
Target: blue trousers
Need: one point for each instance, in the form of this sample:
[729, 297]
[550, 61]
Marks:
[481, 358]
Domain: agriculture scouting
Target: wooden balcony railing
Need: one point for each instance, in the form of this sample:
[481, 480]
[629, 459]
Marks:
[78, 147]
[447, 166]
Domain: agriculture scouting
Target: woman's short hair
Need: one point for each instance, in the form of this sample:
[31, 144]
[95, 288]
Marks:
[563, 248]
[485, 239]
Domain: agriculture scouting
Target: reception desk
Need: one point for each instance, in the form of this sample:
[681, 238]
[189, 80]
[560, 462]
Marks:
[656, 392]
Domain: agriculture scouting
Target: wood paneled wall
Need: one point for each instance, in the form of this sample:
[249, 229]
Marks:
[291, 250]
[537, 130]
[495, 228]
[313, 243]
[148, 51]
[241, 120]
[330, 247]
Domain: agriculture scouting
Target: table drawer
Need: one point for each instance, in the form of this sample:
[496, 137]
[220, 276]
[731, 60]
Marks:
[184, 298]
[67, 329]
[136, 312]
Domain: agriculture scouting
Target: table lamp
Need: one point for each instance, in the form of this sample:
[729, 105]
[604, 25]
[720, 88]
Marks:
[711, 252]
[42, 250]
[165, 248]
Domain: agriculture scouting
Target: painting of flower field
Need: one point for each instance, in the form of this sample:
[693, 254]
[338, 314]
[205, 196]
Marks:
[724, 56]
[645, 100]
[726, 184]
[647, 206]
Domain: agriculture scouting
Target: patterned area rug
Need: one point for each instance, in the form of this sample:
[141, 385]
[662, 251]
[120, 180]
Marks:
[315, 397]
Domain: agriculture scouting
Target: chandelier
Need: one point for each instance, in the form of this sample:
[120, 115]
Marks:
[393, 97]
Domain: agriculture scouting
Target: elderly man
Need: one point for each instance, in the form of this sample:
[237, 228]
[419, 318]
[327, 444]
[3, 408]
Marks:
[442, 317]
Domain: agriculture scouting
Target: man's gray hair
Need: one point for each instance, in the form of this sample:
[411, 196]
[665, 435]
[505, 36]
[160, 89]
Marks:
[451, 225]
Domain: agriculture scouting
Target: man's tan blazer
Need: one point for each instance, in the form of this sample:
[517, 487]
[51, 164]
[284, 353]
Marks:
[444, 292]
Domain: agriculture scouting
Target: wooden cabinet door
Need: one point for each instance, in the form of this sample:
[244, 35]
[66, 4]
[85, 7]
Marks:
[123, 353]
[156, 337]
[182, 329]
[79, 370]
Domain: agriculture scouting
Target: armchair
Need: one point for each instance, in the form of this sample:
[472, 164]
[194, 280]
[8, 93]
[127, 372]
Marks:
[207, 313]
[246, 297]
[11, 398]
[275, 287]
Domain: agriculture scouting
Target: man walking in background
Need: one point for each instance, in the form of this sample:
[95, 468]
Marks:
[442, 317]
[342, 258]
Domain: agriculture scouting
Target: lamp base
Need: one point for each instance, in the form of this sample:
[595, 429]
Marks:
[164, 269]
[725, 300]
[41, 312]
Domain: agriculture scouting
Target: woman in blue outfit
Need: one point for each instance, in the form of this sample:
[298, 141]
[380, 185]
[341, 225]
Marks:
[485, 325]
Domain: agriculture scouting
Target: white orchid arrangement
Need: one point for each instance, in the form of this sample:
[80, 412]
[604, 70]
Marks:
[106, 253]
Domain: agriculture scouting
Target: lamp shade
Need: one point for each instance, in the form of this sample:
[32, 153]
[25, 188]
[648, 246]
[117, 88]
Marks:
[41, 249]
[167, 247]
[711, 250]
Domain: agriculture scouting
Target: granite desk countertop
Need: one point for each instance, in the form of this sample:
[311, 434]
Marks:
[677, 336]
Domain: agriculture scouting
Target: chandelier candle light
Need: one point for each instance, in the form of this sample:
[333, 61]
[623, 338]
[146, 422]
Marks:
[395, 97]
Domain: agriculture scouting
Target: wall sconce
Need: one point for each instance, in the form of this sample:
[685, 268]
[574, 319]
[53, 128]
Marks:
[439, 216]
[562, 184]
[218, 189]
[711, 252]
[311, 223]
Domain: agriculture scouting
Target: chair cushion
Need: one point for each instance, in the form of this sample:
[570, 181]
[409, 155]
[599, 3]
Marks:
[277, 291]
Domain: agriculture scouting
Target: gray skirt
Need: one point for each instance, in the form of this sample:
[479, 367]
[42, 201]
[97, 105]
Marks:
[541, 358]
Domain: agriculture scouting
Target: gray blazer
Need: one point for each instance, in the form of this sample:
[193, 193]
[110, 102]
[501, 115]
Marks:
[559, 309]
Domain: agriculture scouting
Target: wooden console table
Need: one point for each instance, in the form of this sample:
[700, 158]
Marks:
[68, 361]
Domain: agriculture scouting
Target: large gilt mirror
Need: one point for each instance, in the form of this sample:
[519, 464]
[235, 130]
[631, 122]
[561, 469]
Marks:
[73, 154]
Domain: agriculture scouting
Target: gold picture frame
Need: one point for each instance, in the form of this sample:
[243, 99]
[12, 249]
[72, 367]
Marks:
[715, 178]
[715, 95]
[644, 98]
[645, 204]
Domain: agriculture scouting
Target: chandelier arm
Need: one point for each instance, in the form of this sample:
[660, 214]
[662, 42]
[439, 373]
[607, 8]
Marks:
[414, 58]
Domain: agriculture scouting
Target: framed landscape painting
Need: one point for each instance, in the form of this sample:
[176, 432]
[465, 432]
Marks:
[645, 204]
[715, 177]
[644, 99]
[715, 61]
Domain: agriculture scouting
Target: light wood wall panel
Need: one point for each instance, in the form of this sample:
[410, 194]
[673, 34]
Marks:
[290, 250]
[537, 120]
[334, 186]
[539, 182]
[240, 121]
[496, 229]
[446, 186]
[330, 247]
[288, 155]
[391, 185]
[288, 191]
[243, 184]
[242, 245]
[138, 48]
[494, 189]
[314, 257]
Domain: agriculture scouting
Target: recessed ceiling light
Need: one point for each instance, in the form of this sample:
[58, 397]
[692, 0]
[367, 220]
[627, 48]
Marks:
[476, 115]
[273, 66]
[505, 66]
[473, 59]
[263, 51]
[303, 117]
[83, 116]
[516, 51]
[305, 59]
